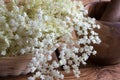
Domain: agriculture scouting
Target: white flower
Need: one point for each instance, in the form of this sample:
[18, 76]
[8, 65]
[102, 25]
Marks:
[94, 52]
[39, 27]
[46, 18]
[68, 19]
[42, 77]
[75, 49]
[37, 74]
[98, 26]
[49, 57]
[55, 64]
[81, 50]
[62, 61]
[31, 78]
[3, 53]
[22, 51]
[33, 69]
[16, 37]
[85, 56]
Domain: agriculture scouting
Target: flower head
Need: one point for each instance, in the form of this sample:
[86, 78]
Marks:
[39, 27]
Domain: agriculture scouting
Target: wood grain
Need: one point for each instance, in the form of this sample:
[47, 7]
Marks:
[85, 2]
[14, 65]
[94, 72]
[113, 9]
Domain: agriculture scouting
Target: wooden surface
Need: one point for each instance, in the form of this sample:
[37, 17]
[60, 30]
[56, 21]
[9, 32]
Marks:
[14, 65]
[111, 72]
[91, 73]
[88, 1]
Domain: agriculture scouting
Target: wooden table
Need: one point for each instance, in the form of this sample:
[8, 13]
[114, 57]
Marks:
[92, 73]
[88, 73]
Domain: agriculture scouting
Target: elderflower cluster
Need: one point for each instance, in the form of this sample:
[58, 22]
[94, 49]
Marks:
[39, 27]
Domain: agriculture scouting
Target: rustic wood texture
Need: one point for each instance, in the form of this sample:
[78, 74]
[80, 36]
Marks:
[85, 2]
[17, 65]
[93, 72]
[14, 65]
[113, 9]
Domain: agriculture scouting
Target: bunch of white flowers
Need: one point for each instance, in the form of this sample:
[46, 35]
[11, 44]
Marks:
[39, 27]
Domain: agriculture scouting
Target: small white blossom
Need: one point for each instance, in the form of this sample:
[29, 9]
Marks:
[37, 74]
[49, 57]
[62, 61]
[31, 78]
[16, 37]
[22, 51]
[33, 69]
[46, 18]
[39, 27]
[75, 49]
[94, 52]
[3, 53]
[55, 64]
[98, 26]
[85, 56]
